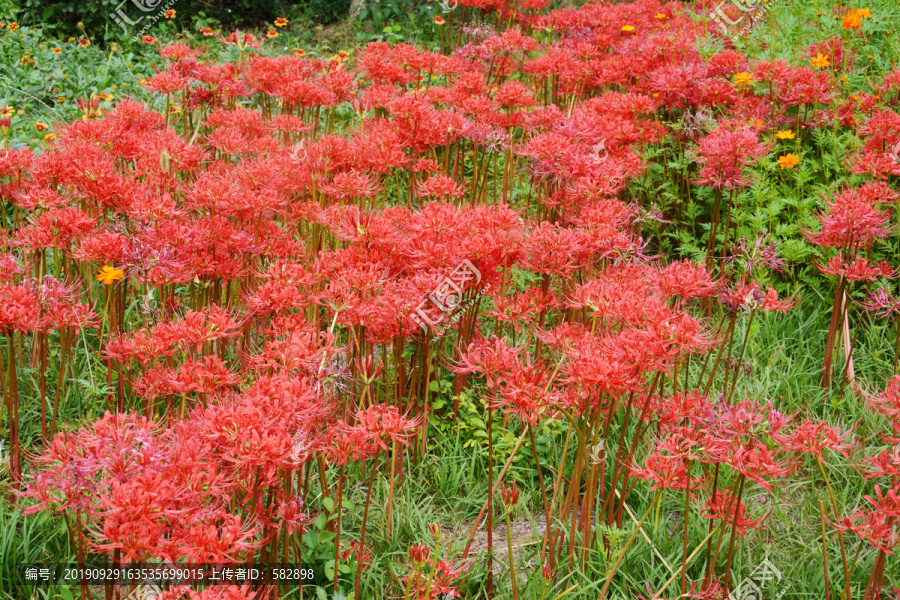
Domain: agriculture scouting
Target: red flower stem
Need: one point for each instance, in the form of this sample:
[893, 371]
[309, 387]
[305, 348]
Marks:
[337, 539]
[624, 550]
[837, 516]
[687, 496]
[490, 512]
[737, 509]
[824, 552]
[362, 535]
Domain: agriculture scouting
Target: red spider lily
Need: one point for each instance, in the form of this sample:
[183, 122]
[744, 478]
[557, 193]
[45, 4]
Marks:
[435, 579]
[759, 254]
[861, 269]
[665, 472]
[725, 153]
[748, 296]
[722, 507]
[687, 280]
[884, 464]
[875, 527]
[242, 41]
[851, 220]
[888, 404]
[812, 437]
[882, 303]
[384, 422]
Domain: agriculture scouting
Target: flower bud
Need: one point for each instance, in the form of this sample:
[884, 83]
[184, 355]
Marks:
[510, 495]
[418, 554]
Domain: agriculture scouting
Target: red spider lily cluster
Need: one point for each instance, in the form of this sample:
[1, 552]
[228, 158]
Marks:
[261, 253]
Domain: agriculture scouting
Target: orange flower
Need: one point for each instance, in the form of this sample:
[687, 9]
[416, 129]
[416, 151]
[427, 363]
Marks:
[107, 275]
[820, 61]
[788, 161]
[281, 22]
[148, 39]
[439, 20]
[7, 112]
[659, 16]
[207, 31]
[271, 34]
[852, 20]
[169, 14]
[13, 26]
[300, 52]
[41, 126]
[744, 78]
[57, 51]
[786, 134]
[84, 42]
[627, 28]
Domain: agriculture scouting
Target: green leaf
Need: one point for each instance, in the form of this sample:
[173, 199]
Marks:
[328, 503]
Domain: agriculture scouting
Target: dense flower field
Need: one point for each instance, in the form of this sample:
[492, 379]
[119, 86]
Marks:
[234, 330]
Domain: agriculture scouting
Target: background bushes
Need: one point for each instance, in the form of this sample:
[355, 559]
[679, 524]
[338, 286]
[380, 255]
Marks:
[64, 16]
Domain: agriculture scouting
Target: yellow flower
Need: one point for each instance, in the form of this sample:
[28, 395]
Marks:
[743, 78]
[271, 34]
[13, 26]
[169, 14]
[281, 22]
[49, 137]
[107, 275]
[57, 51]
[41, 126]
[864, 12]
[6, 112]
[83, 42]
[659, 16]
[71, 39]
[439, 20]
[786, 134]
[820, 61]
[788, 161]
[300, 52]
[627, 28]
